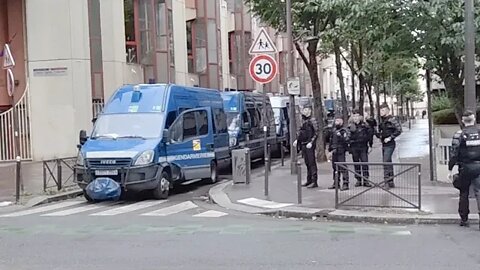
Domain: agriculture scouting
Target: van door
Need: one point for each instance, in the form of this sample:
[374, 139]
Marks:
[221, 137]
[191, 146]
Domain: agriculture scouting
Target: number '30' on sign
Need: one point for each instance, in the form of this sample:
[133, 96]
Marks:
[263, 68]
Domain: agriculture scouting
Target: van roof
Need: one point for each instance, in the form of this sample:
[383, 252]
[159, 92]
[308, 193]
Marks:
[279, 102]
[140, 98]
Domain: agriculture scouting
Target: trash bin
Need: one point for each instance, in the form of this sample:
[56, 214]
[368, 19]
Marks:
[241, 165]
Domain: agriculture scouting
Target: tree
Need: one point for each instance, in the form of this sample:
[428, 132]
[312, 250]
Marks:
[310, 19]
[438, 29]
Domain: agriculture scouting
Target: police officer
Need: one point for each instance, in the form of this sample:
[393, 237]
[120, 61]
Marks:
[361, 138]
[338, 145]
[388, 130]
[465, 153]
[307, 142]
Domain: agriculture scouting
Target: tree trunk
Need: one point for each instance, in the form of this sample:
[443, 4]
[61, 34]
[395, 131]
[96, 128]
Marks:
[455, 90]
[312, 67]
[384, 92]
[377, 92]
[362, 83]
[370, 100]
[338, 62]
[353, 83]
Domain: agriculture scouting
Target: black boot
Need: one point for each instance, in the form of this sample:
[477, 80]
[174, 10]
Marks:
[307, 184]
[334, 186]
[358, 183]
[345, 186]
[366, 183]
[315, 185]
[464, 222]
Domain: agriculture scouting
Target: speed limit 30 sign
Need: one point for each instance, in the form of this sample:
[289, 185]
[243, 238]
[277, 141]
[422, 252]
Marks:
[263, 68]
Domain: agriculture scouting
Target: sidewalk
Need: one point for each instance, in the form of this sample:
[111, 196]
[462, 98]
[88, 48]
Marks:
[439, 200]
[32, 176]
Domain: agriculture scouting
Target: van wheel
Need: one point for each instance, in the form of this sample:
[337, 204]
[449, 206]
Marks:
[213, 173]
[163, 188]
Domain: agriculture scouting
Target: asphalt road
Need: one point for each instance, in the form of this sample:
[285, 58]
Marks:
[188, 232]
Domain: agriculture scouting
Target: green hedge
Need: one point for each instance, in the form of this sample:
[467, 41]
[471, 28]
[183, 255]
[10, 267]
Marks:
[444, 117]
[440, 103]
[447, 117]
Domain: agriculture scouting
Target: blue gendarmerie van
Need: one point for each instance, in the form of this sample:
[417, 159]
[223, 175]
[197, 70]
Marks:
[149, 137]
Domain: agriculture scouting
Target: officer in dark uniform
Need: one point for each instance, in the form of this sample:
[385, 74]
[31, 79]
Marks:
[306, 142]
[337, 147]
[388, 130]
[465, 153]
[361, 138]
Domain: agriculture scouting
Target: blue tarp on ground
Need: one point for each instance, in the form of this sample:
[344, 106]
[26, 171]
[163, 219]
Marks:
[102, 189]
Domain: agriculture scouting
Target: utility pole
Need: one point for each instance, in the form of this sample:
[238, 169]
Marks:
[290, 73]
[433, 169]
[470, 97]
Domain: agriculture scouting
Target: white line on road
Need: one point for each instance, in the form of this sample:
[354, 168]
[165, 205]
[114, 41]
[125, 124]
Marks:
[128, 208]
[73, 211]
[43, 209]
[263, 203]
[211, 214]
[174, 209]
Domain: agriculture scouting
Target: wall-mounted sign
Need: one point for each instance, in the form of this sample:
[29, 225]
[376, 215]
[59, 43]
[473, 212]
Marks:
[50, 72]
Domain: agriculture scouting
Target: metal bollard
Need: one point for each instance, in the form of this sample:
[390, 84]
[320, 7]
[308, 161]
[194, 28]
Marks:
[282, 153]
[59, 174]
[18, 178]
[299, 182]
[266, 173]
[269, 153]
[247, 167]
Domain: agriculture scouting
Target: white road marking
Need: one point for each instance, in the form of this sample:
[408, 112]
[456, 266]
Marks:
[5, 203]
[73, 211]
[128, 208]
[211, 214]
[43, 209]
[174, 209]
[263, 203]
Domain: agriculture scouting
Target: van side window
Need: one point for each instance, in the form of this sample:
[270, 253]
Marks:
[253, 117]
[189, 126]
[202, 122]
[176, 131]
[171, 116]
[245, 117]
[220, 121]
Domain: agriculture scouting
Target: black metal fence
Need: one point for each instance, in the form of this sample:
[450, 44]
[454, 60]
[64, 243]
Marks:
[385, 185]
[58, 173]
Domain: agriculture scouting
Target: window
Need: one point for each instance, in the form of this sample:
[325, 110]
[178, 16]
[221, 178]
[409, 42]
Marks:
[220, 121]
[130, 30]
[231, 52]
[171, 116]
[253, 117]
[202, 122]
[190, 46]
[176, 132]
[189, 126]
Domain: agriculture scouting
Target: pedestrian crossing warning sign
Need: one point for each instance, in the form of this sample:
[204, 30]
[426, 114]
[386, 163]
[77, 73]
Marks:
[263, 44]
[8, 61]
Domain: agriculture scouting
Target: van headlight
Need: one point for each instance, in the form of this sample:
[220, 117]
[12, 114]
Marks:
[80, 160]
[233, 141]
[145, 158]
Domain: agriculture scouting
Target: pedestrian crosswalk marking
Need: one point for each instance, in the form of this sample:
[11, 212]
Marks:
[43, 209]
[73, 211]
[263, 203]
[174, 209]
[211, 213]
[128, 208]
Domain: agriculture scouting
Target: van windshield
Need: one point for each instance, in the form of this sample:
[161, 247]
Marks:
[233, 122]
[128, 125]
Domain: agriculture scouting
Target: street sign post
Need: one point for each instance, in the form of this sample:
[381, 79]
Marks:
[263, 69]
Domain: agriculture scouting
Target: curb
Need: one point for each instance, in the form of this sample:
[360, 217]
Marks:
[218, 196]
[357, 216]
[53, 198]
